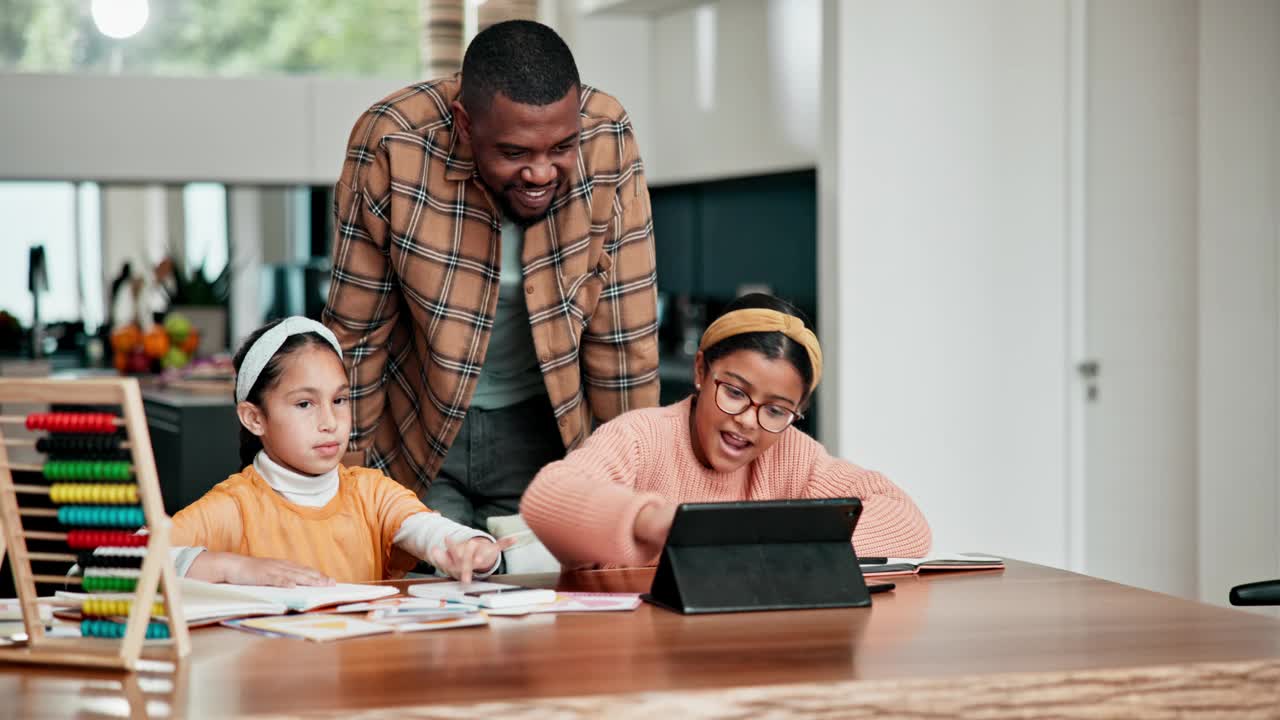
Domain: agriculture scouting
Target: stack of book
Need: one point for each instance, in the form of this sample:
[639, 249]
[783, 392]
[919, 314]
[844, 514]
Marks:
[346, 610]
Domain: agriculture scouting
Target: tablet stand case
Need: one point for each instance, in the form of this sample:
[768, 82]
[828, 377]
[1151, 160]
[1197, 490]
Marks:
[785, 555]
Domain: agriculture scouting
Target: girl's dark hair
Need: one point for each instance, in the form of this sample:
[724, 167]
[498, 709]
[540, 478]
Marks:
[773, 345]
[250, 444]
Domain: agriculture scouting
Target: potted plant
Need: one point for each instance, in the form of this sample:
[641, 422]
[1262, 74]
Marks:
[199, 300]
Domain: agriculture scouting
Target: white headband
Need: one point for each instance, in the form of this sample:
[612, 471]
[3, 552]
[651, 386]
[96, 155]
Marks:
[265, 347]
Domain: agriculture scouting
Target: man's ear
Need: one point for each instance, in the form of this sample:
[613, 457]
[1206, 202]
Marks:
[461, 121]
[252, 417]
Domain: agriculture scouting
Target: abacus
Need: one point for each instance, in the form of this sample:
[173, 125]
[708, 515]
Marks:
[102, 476]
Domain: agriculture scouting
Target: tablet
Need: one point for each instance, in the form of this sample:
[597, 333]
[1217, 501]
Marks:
[763, 555]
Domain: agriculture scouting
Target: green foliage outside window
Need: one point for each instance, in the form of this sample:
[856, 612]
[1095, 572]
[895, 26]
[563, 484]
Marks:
[218, 37]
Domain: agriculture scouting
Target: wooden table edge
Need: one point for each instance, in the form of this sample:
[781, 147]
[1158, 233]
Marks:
[1248, 688]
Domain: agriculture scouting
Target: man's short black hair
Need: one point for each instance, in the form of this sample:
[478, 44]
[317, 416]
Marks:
[522, 59]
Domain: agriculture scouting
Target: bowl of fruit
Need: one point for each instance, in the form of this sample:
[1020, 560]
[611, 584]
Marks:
[163, 346]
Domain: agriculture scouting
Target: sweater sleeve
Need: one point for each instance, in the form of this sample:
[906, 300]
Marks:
[890, 526]
[212, 522]
[391, 504]
[584, 507]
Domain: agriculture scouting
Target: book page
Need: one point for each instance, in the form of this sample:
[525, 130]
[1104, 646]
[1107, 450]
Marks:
[294, 598]
[960, 560]
[317, 627]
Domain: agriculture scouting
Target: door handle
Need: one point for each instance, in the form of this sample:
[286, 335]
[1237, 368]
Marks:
[1089, 371]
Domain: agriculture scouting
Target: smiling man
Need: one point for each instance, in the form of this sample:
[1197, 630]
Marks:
[493, 273]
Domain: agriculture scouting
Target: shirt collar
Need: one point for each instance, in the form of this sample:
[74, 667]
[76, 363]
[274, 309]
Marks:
[309, 490]
[461, 164]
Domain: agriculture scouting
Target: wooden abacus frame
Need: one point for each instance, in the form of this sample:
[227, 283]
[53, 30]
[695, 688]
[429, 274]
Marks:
[157, 573]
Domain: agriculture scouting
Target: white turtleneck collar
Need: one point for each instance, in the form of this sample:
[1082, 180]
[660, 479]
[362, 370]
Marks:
[299, 489]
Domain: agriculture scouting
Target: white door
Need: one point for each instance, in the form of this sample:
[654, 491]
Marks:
[1139, 513]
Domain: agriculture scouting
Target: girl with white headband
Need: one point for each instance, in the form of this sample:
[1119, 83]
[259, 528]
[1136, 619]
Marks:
[612, 501]
[296, 516]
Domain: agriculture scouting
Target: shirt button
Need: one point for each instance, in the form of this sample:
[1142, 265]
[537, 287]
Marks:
[529, 289]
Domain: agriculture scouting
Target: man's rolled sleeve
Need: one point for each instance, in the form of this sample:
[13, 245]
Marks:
[620, 343]
[363, 297]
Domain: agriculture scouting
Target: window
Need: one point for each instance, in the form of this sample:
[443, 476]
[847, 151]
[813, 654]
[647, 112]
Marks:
[204, 217]
[217, 37]
[63, 218]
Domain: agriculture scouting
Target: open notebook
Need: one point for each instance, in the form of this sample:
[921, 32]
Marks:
[934, 563]
[205, 603]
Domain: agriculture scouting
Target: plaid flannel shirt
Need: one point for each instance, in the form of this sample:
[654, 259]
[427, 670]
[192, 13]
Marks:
[416, 260]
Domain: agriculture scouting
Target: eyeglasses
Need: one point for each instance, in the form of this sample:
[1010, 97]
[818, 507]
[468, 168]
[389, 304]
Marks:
[733, 400]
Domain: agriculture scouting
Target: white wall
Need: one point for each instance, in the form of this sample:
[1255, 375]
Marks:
[1239, 233]
[613, 54]
[148, 129]
[735, 89]
[715, 89]
[631, 82]
[947, 235]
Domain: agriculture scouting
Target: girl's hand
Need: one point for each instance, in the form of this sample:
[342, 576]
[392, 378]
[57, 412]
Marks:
[244, 570]
[653, 524]
[460, 559]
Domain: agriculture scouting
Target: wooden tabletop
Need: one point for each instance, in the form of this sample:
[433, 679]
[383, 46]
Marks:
[987, 643]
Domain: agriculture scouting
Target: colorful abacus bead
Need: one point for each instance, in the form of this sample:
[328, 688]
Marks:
[101, 516]
[101, 607]
[90, 539]
[107, 583]
[110, 471]
[80, 445]
[71, 422]
[111, 560]
[83, 493]
[112, 629]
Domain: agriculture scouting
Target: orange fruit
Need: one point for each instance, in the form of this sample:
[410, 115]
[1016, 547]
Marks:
[156, 342]
[121, 362]
[190, 342]
[126, 338]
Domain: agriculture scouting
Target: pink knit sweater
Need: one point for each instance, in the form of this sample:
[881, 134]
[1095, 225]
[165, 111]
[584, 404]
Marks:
[584, 508]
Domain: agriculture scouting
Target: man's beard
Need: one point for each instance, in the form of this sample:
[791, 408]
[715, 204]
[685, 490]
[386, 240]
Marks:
[509, 213]
[521, 222]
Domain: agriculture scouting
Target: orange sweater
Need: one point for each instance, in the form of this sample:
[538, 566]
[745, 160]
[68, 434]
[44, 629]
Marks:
[349, 538]
[584, 508]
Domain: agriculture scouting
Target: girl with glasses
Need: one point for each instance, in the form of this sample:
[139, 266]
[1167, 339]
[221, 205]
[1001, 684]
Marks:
[611, 502]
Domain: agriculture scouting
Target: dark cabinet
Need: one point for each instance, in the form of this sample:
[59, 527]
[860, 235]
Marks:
[712, 238]
[195, 438]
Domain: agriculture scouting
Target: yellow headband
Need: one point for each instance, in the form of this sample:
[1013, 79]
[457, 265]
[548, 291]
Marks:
[752, 320]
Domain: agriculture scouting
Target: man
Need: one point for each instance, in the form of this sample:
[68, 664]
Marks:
[493, 273]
